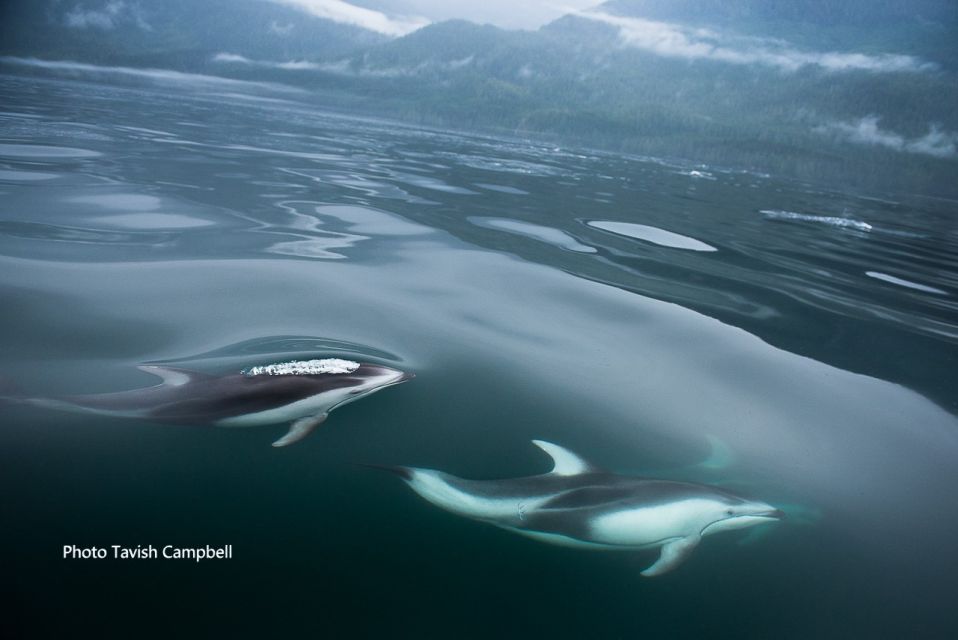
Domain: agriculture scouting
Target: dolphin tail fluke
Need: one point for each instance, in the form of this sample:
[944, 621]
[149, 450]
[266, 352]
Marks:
[300, 429]
[405, 473]
[673, 554]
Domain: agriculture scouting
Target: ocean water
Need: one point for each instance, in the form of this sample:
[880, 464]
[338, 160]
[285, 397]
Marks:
[786, 341]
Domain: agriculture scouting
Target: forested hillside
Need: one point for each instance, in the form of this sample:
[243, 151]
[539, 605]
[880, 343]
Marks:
[857, 92]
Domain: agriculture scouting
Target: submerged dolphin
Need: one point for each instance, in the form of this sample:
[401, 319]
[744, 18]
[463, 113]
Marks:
[578, 505]
[300, 392]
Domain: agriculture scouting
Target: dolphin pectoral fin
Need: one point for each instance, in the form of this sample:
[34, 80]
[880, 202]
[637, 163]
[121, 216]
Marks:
[565, 462]
[673, 554]
[300, 429]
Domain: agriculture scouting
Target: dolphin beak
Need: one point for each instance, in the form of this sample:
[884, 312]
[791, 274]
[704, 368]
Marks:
[406, 376]
[778, 514]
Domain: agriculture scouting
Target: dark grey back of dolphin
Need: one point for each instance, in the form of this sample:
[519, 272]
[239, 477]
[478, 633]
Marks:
[582, 490]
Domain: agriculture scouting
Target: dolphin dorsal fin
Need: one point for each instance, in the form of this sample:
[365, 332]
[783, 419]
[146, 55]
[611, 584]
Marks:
[172, 376]
[566, 463]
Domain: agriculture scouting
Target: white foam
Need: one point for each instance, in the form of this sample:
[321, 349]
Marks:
[304, 368]
[776, 214]
[695, 173]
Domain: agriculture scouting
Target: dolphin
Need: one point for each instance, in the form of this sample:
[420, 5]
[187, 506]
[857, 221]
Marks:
[579, 505]
[299, 392]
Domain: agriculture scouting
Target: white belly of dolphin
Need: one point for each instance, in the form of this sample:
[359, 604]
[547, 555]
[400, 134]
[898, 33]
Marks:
[651, 525]
[310, 406]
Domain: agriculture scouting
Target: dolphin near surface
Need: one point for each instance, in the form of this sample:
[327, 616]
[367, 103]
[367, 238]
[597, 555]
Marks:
[578, 505]
[301, 393]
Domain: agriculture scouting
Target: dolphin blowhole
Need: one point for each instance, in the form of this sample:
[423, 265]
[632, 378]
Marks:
[304, 367]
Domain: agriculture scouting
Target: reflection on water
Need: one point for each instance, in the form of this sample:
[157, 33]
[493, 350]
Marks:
[539, 232]
[652, 234]
[41, 152]
[904, 283]
[648, 318]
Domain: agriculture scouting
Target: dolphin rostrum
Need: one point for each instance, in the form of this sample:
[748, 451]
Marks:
[578, 505]
[300, 392]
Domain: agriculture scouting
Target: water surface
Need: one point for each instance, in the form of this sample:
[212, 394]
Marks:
[624, 307]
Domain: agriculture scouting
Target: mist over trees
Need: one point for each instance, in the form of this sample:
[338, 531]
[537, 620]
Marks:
[856, 92]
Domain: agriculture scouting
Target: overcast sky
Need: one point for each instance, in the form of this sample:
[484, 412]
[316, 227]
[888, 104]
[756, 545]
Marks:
[397, 17]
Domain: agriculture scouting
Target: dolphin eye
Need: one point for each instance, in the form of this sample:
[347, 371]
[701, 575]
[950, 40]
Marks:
[729, 512]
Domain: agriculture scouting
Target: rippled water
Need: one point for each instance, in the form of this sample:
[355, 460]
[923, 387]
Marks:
[688, 322]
